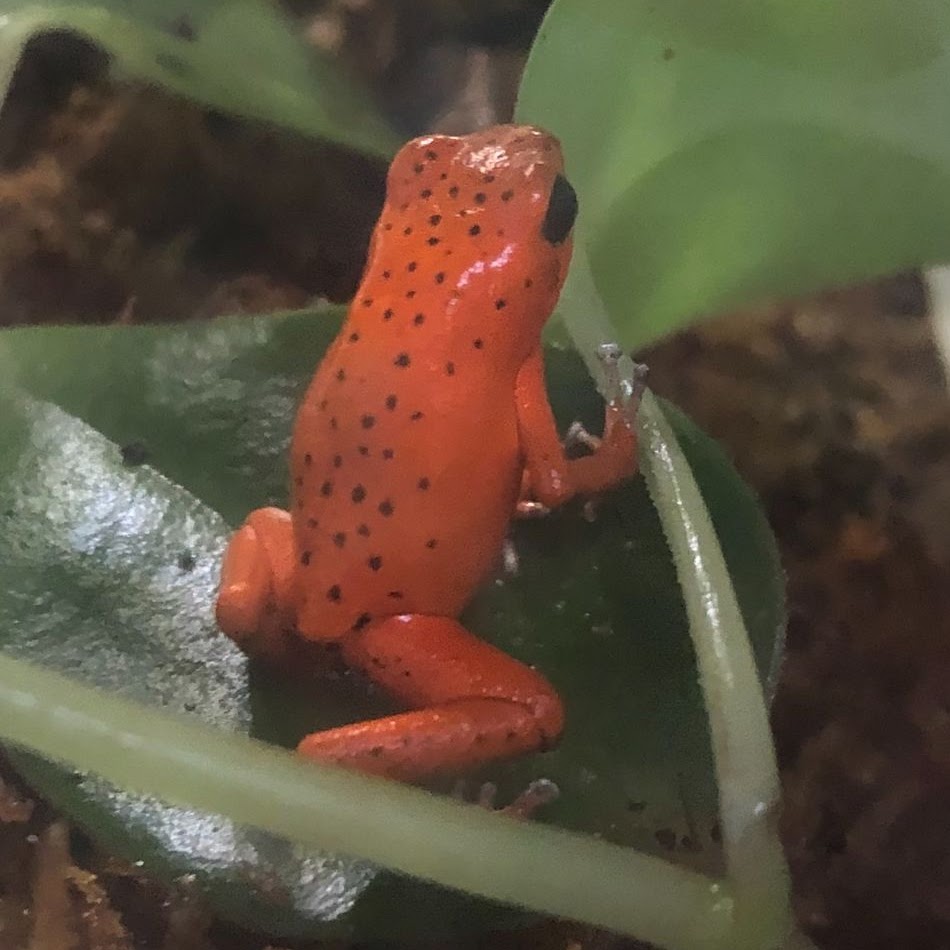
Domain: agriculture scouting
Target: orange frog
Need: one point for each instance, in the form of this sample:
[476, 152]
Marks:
[426, 426]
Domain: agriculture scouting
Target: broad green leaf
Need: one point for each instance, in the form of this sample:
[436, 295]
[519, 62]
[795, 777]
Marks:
[108, 570]
[731, 150]
[237, 56]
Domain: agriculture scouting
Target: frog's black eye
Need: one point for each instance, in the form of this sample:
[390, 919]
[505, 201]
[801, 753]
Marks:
[562, 210]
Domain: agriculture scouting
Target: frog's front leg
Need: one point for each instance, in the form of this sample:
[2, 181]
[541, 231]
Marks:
[471, 703]
[551, 479]
[254, 606]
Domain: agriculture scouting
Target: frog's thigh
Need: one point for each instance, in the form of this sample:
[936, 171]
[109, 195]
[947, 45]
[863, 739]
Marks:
[472, 703]
[253, 606]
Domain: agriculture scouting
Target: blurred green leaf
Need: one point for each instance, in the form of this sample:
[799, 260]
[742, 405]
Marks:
[731, 150]
[118, 448]
[237, 56]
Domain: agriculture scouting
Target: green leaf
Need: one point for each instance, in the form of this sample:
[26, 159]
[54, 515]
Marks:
[731, 150]
[237, 56]
[109, 569]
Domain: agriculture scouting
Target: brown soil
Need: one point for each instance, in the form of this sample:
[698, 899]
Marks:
[834, 408]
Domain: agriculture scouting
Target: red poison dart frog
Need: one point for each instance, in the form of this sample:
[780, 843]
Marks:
[426, 425]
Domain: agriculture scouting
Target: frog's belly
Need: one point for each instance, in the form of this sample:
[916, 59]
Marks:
[412, 533]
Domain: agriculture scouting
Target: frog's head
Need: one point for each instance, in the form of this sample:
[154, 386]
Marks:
[484, 221]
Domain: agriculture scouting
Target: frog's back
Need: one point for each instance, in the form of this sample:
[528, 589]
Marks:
[406, 457]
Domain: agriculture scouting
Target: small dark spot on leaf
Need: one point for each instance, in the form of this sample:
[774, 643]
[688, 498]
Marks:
[367, 301]
[183, 29]
[480, 197]
[312, 523]
[410, 294]
[363, 530]
[363, 450]
[507, 195]
[425, 193]
[402, 360]
[478, 343]
[418, 168]
[423, 484]
[388, 453]
[440, 277]
[407, 230]
[354, 337]
[391, 401]
[386, 507]
[361, 621]
[417, 415]
[528, 283]
[387, 274]
[388, 313]
[358, 494]
[454, 191]
[396, 594]
[475, 230]
[375, 562]
[665, 838]
[341, 374]
[419, 319]
[449, 369]
[334, 593]
[432, 155]
[339, 539]
[174, 64]
[134, 454]
[435, 219]
[411, 266]
[501, 303]
[337, 461]
[668, 54]
[326, 489]
[305, 558]
[368, 421]
[431, 543]
[432, 241]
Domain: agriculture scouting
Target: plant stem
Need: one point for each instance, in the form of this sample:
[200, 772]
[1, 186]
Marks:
[746, 771]
[744, 755]
[544, 869]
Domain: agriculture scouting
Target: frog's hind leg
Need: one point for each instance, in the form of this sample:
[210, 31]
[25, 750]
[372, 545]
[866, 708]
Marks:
[471, 702]
[254, 600]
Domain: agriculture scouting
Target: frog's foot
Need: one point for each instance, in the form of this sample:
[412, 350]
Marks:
[578, 437]
[471, 704]
[613, 457]
[539, 793]
[253, 606]
[527, 506]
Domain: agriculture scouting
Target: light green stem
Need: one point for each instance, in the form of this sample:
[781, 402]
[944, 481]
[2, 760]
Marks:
[744, 754]
[746, 771]
[462, 846]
